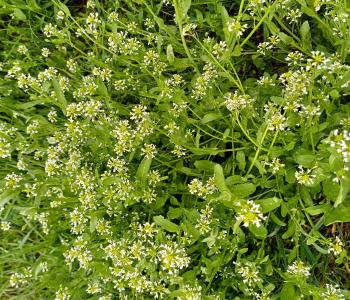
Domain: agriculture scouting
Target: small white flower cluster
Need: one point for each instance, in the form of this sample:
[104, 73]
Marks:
[275, 165]
[205, 220]
[204, 81]
[305, 177]
[196, 187]
[332, 293]
[62, 294]
[219, 49]
[12, 181]
[179, 151]
[340, 140]
[236, 27]
[173, 258]
[5, 226]
[250, 213]
[299, 269]
[235, 102]
[293, 15]
[189, 29]
[265, 47]
[19, 279]
[277, 122]
[191, 292]
[336, 247]
[79, 252]
[249, 272]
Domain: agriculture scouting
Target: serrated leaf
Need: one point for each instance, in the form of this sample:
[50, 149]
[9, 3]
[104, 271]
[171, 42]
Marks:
[166, 224]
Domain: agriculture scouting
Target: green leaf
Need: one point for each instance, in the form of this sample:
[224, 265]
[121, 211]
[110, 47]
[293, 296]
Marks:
[290, 231]
[260, 232]
[343, 192]
[19, 15]
[330, 189]
[62, 102]
[142, 171]
[174, 213]
[166, 224]
[305, 158]
[219, 178]
[305, 33]
[205, 165]
[243, 190]
[170, 54]
[240, 156]
[277, 220]
[341, 213]
[287, 292]
[318, 209]
[210, 117]
[269, 204]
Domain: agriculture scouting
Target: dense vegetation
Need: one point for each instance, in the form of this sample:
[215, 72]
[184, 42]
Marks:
[174, 149]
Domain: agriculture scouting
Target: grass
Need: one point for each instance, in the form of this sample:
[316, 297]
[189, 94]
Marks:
[174, 149]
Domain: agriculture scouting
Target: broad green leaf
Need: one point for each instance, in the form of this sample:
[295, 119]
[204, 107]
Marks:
[318, 209]
[219, 178]
[259, 231]
[287, 292]
[330, 189]
[341, 213]
[166, 224]
[243, 190]
[205, 165]
[19, 15]
[174, 213]
[269, 204]
[210, 117]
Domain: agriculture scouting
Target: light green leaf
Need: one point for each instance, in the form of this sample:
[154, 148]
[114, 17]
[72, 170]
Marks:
[142, 170]
[166, 224]
[339, 214]
[269, 204]
[260, 232]
[170, 54]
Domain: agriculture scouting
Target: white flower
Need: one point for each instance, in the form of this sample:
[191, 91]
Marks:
[236, 27]
[45, 52]
[304, 176]
[250, 213]
[336, 247]
[299, 269]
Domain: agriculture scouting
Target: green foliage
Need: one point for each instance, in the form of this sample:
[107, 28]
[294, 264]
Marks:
[174, 149]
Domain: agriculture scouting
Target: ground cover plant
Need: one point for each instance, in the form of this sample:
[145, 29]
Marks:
[174, 149]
